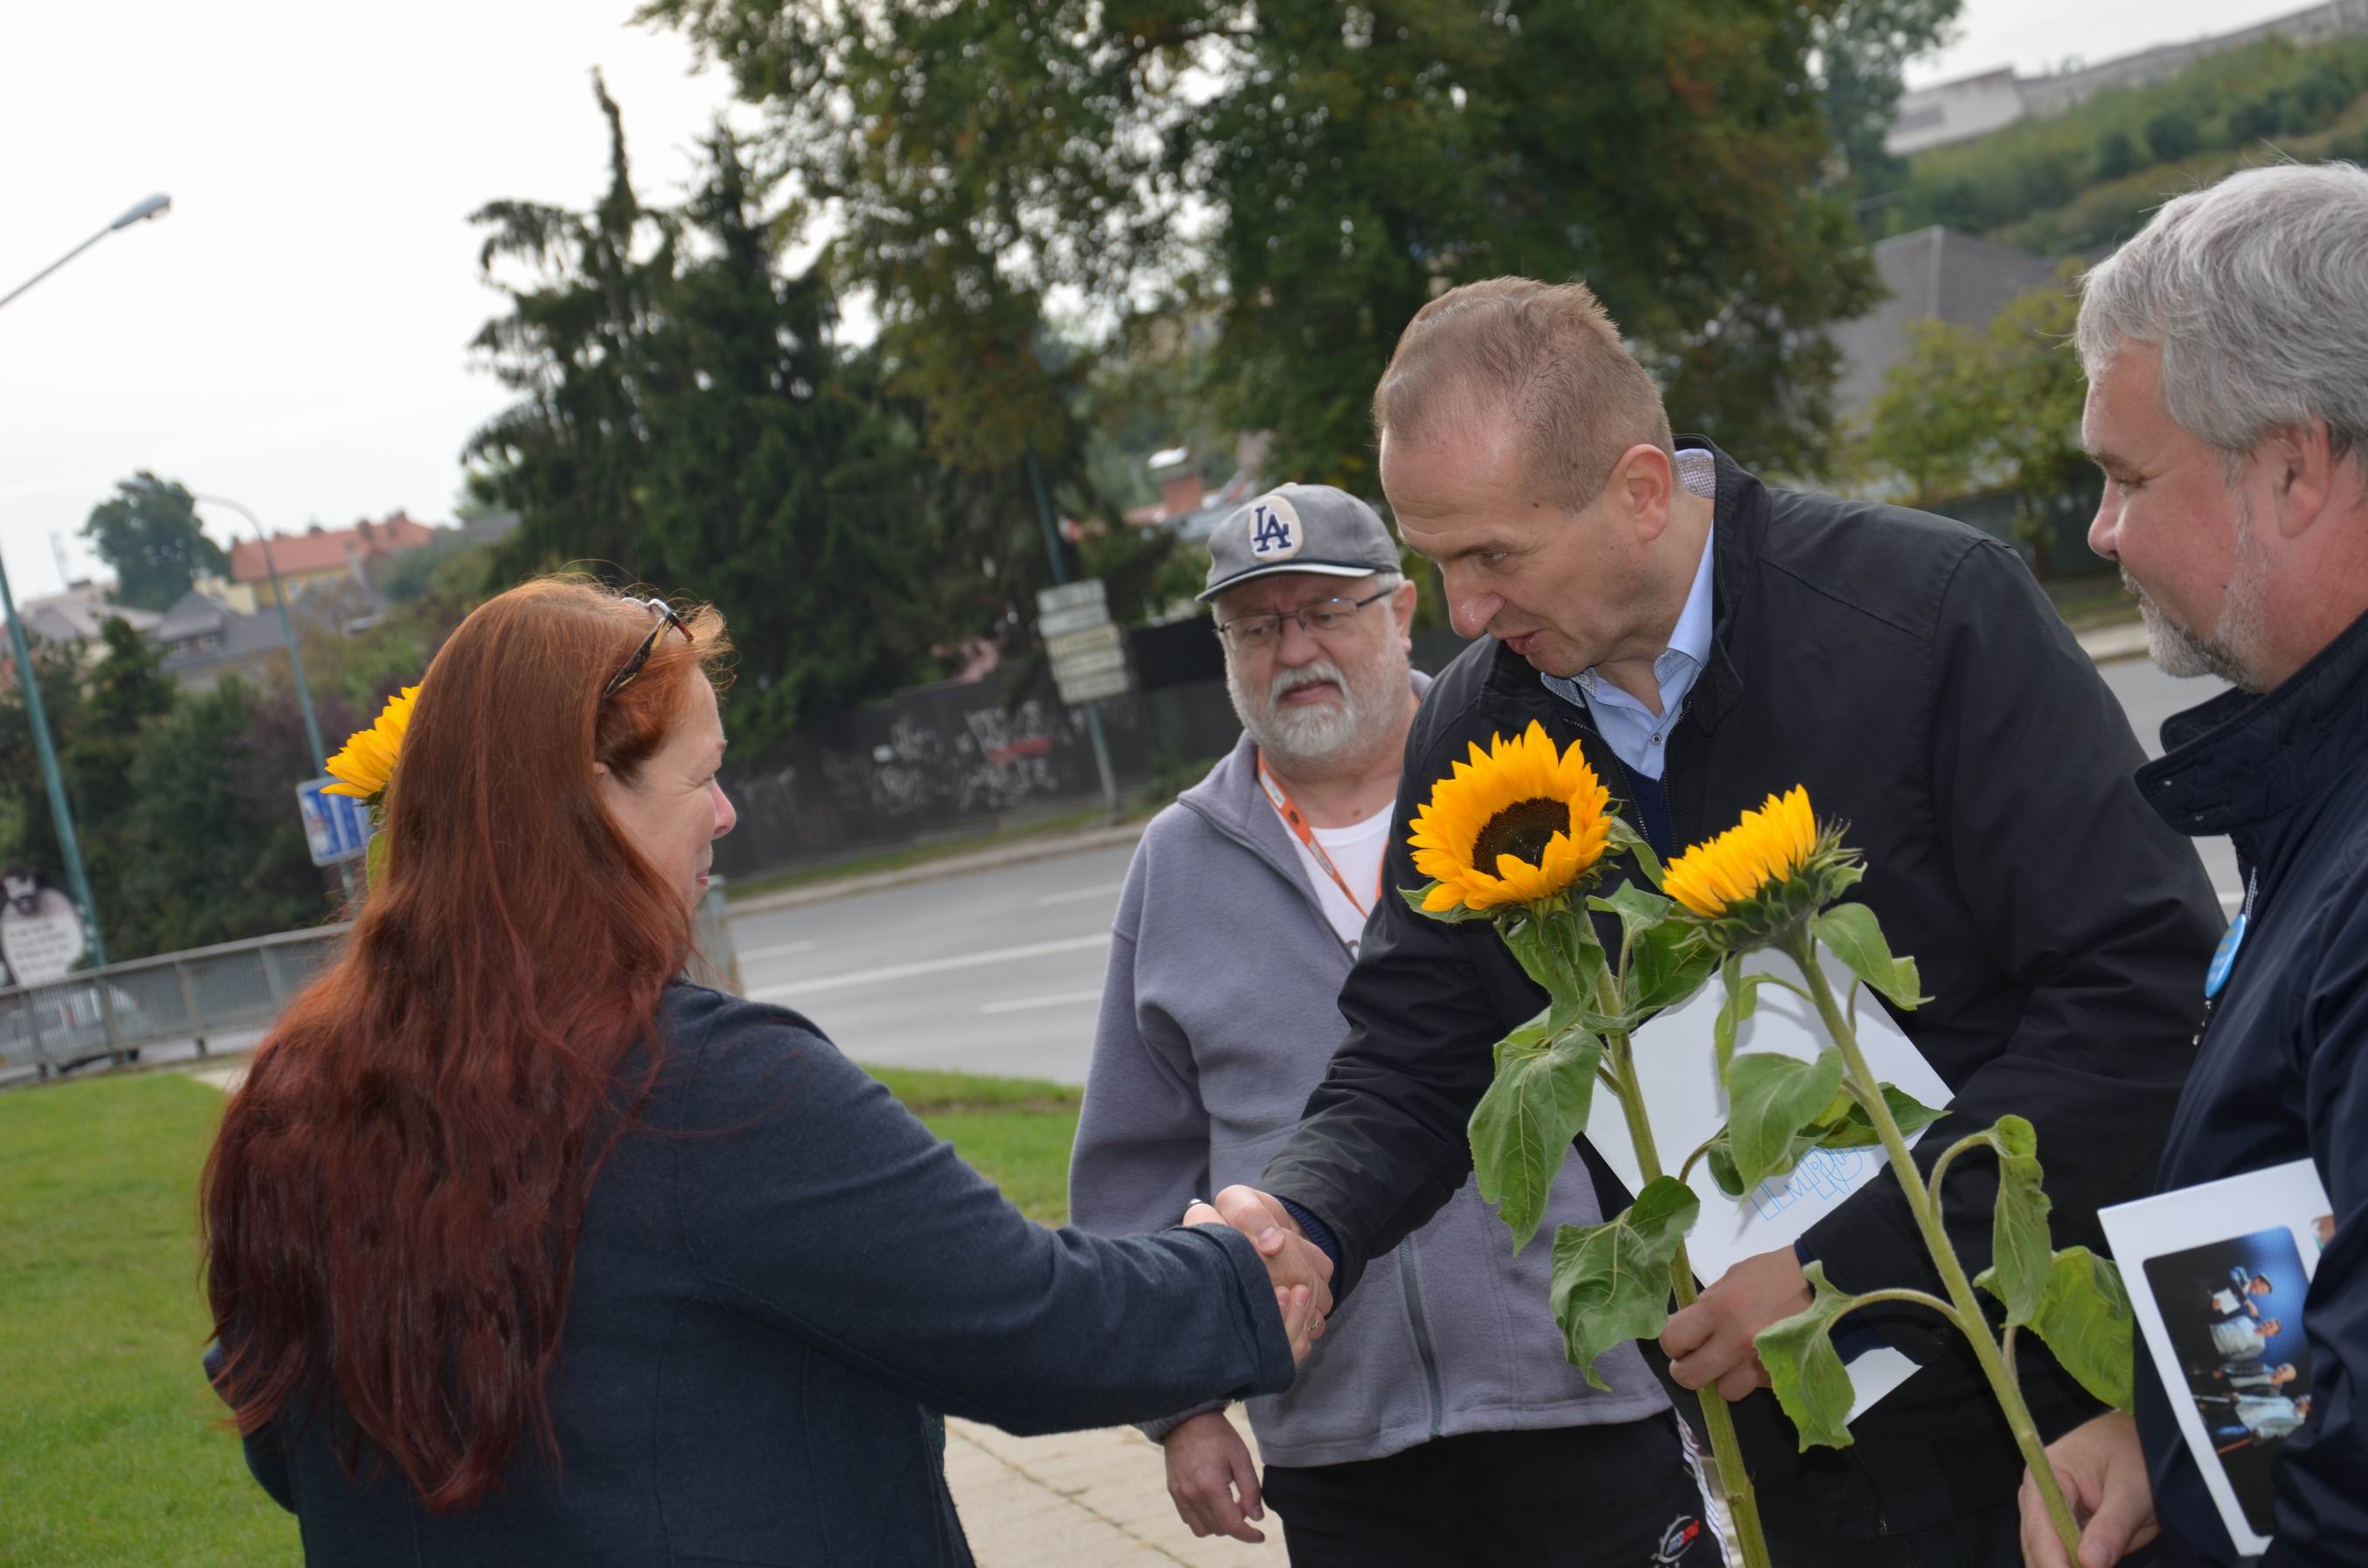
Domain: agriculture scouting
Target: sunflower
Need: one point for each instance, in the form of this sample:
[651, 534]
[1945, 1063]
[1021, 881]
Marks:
[366, 764]
[1518, 825]
[1769, 869]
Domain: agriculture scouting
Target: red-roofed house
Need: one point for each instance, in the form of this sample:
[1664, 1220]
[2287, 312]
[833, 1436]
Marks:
[321, 555]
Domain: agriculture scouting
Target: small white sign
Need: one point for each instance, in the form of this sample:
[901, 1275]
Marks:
[1091, 642]
[1093, 688]
[41, 936]
[1072, 595]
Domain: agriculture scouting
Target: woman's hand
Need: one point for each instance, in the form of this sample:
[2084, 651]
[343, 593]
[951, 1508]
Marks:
[2102, 1472]
[1299, 1273]
[1211, 1479]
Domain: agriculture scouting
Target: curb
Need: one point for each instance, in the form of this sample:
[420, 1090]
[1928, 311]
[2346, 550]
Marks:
[2109, 644]
[952, 866]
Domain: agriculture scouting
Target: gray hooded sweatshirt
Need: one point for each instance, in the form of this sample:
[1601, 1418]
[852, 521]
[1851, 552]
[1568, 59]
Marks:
[1217, 1019]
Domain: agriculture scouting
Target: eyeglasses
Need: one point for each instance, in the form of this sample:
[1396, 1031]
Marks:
[666, 617]
[1323, 616]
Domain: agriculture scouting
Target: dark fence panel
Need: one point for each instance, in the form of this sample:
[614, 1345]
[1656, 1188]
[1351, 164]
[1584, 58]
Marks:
[944, 760]
[930, 762]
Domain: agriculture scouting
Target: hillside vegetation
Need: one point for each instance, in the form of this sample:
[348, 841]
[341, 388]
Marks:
[2082, 180]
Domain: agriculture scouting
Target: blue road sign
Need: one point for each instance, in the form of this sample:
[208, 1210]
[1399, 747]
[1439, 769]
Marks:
[336, 826]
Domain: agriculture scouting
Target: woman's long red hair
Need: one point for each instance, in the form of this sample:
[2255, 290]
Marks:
[392, 1204]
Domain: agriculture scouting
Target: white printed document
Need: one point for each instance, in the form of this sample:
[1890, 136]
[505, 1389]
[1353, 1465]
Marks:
[1677, 1063]
[2217, 1275]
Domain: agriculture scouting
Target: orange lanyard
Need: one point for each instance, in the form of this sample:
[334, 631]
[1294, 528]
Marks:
[1288, 812]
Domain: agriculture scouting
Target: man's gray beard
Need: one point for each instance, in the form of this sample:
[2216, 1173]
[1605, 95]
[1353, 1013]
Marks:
[2243, 620]
[1331, 734]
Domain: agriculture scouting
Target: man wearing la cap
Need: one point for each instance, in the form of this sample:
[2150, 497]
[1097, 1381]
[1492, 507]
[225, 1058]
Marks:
[1441, 1424]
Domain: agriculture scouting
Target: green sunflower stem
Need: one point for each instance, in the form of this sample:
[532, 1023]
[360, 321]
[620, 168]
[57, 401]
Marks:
[1801, 945]
[1726, 1450]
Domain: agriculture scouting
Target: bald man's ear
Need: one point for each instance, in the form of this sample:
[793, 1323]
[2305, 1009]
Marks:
[1645, 479]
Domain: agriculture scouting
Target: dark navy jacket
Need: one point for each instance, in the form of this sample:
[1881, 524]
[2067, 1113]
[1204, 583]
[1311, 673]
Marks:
[782, 1275]
[2283, 1071]
[1909, 671]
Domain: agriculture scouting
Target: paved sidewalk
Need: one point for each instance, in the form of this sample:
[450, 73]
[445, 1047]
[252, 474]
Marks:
[1082, 1500]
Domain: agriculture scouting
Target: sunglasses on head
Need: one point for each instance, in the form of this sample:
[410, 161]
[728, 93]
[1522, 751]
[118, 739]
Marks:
[666, 617]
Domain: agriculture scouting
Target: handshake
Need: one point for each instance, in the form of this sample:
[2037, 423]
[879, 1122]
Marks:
[1298, 1268]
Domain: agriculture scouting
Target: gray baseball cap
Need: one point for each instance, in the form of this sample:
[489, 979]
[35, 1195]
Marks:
[1299, 527]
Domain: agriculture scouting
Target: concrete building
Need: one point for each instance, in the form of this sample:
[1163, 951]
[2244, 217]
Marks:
[1973, 105]
[1935, 274]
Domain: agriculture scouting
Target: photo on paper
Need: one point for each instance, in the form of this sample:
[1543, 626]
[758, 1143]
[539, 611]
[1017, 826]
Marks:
[2222, 1323]
[2232, 1311]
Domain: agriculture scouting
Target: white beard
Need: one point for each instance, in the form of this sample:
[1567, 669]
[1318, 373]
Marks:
[1323, 734]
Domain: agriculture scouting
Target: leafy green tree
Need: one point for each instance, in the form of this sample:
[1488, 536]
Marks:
[125, 692]
[34, 838]
[2117, 155]
[685, 421]
[2173, 134]
[1338, 165]
[153, 541]
[212, 813]
[1862, 48]
[1996, 409]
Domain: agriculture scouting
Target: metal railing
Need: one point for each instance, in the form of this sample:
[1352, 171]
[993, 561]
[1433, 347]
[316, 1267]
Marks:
[196, 998]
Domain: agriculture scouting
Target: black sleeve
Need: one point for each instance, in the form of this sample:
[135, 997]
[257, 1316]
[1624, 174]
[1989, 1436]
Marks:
[265, 1460]
[820, 1205]
[2322, 1518]
[1381, 1146]
[2081, 893]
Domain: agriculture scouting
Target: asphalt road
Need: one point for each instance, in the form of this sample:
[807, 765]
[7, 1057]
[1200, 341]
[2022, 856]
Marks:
[1001, 972]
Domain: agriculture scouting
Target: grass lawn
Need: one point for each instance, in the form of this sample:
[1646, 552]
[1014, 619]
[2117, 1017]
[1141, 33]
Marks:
[109, 1453]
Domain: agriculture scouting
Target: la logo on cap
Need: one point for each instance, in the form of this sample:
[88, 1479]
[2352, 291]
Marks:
[1275, 533]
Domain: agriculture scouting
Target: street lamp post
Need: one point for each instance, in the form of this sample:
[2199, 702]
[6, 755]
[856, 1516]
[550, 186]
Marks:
[60, 811]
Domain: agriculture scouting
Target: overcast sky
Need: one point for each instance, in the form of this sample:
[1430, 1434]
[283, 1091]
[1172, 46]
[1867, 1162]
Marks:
[294, 335]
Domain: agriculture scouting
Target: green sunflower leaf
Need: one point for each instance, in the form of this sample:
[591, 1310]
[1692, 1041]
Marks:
[1771, 1096]
[1804, 1369]
[1667, 964]
[1856, 937]
[2022, 1256]
[1612, 1281]
[1523, 1128]
[1855, 1130]
[1627, 840]
[2084, 1319]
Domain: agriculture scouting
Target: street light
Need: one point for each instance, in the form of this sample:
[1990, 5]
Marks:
[60, 814]
[278, 597]
[155, 207]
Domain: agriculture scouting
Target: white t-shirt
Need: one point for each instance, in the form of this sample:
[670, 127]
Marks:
[1357, 850]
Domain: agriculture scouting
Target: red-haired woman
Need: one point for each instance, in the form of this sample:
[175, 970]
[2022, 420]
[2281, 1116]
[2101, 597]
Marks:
[521, 1251]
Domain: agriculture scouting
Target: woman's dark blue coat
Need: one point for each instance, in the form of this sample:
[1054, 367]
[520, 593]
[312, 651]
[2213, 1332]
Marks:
[782, 1276]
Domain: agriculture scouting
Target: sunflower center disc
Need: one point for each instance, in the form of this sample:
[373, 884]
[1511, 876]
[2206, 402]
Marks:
[1522, 830]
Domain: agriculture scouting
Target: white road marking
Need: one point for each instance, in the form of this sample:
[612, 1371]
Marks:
[784, 950]
[930, 966]
[1076, 894]
[1065, 999]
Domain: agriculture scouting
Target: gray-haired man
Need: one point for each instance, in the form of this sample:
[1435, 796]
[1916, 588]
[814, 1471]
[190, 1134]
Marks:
[1441, 1423]
[2226, 347]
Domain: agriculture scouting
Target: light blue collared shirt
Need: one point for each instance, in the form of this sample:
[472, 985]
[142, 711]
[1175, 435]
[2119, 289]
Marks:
[1636, 734]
